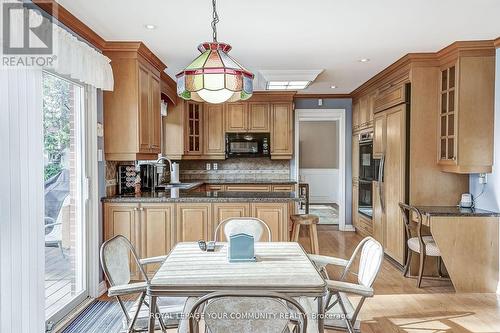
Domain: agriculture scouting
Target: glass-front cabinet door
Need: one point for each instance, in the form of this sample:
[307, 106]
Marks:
[194, 133]
[447, 116]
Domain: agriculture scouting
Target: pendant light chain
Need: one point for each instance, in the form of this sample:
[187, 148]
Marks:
[215, 20]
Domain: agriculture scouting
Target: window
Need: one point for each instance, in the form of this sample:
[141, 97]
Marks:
[64, 170]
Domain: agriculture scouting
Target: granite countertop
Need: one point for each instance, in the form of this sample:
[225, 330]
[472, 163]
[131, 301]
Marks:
[194, 196]
[242, 181]
[455, 211]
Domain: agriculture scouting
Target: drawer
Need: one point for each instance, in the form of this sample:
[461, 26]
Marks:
[364, 226]
[213, 188]
[389, 97]
[248, 188]
[283, 188]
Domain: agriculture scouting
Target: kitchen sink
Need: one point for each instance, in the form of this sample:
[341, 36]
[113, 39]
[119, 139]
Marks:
[182, 186]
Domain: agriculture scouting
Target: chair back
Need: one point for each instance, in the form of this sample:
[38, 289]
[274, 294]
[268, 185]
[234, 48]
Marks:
[249, 225]
[250, 312]
[370, 261]
[409, 214]
[115, 260]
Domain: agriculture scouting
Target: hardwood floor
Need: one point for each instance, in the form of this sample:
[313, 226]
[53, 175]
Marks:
[398, 306]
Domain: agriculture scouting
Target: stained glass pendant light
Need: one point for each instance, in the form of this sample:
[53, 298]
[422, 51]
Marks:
[214, 76]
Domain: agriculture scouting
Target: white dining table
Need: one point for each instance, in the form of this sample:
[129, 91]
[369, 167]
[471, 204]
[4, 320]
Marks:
[281, 267]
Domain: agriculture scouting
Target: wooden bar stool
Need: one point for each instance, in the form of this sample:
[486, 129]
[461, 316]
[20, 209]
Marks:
[309, 220]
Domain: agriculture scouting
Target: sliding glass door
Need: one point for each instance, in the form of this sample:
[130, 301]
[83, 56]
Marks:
[66, 281]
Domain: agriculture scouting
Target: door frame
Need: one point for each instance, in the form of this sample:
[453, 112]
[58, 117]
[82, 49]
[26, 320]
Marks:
[325, 115]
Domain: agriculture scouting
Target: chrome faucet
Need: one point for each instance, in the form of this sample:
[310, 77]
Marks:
[174, 169]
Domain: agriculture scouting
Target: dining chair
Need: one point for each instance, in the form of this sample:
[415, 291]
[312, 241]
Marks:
[248, 225]
[56, 229]
[115, 262]
[341, 314]
[247, 311]
[423, 246]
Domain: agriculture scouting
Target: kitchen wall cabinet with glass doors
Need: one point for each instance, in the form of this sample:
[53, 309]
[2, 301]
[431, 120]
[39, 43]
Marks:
[465, 120]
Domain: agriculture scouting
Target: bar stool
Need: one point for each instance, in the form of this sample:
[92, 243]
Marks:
[423, 246]
[309, 220]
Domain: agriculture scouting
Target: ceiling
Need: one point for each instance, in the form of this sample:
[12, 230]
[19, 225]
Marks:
[328, 35]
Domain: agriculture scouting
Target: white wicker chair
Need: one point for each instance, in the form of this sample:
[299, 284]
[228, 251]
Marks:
[340, 313]
[246, 311]
[116, 266]
[248, 225]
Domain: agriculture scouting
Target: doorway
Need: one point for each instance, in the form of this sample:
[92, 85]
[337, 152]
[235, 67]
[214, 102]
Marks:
[320, 162]
[66, 265]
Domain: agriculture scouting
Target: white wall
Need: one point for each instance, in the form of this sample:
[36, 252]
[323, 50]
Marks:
[323, 184]
[490, 200]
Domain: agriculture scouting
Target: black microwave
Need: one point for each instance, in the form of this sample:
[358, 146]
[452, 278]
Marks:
[247, 145]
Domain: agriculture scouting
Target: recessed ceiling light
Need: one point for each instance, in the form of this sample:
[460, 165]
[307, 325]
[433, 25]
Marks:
[333, 87]
[150, 26]
[364, 60]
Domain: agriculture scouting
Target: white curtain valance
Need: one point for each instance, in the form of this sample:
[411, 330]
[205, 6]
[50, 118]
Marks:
[80, 61]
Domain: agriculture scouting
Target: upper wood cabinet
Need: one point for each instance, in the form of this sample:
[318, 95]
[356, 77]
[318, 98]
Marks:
[213, 131]
[236, 117]
[466, 110]
[355, 157]
[133, 107]
[247, 117]
[194, 129]
[258, 117]
[197, 131]
[390, 95]
[281, 131]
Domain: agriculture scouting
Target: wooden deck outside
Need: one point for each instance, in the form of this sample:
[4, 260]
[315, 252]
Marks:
[58, 280]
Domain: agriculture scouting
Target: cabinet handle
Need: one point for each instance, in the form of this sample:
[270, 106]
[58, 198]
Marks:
[135, 208]
[141, 209]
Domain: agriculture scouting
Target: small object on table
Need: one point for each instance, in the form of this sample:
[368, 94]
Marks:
[211, 246]
[241, 248]
[137, 184]
[203, 245]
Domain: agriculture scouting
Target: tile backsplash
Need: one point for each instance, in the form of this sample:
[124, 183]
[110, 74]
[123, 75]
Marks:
[230, 169]
[236, 169]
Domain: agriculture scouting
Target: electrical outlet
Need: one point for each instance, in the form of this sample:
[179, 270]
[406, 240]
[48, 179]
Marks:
[215, 166]
[208, 166]
[483, 178]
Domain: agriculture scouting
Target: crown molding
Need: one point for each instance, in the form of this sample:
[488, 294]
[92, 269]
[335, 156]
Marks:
[60, 13]
[139, 47]
[405, 63]
[168, 87]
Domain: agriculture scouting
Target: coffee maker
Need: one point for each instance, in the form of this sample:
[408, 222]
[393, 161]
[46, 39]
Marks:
[149, 177]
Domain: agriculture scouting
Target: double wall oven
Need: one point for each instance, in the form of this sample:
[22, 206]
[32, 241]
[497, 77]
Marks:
[368, 171]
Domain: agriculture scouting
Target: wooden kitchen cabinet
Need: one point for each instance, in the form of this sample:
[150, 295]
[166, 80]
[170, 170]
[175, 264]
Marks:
[193, 222]
[236, 117]
[466, 111]
[378, 217]
[283, 188]
[124, 219]
[379, 132]
[223, 211]
[281, 131]
[157, 230]
[213, 131]
[355, 157]
[355, 116]
[275, 215]
[194, 129]
[394, 183]
[258, 117]
[133, 107]
[248, 188]
[355, 194]
[390, 95]
[253, 117]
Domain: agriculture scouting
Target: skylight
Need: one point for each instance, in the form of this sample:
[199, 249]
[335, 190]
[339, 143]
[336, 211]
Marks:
[287, 85]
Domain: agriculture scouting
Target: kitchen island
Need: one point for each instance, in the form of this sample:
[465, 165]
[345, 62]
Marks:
[155, 221]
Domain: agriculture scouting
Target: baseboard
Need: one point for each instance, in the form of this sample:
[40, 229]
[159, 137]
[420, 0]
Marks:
[348, 228]
[102, 288]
